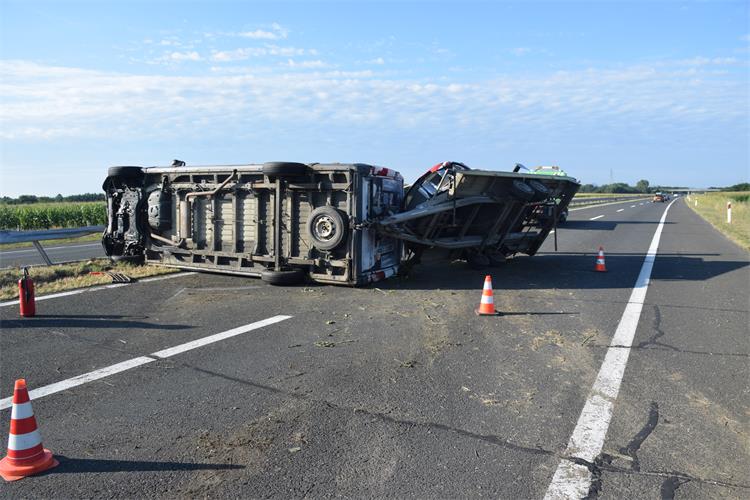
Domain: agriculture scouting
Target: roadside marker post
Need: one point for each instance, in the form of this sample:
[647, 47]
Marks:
[729, 212]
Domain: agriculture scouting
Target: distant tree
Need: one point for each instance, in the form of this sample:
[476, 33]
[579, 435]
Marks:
[588, 188]
[27, 198]
[642, 186]
[59, 197]
[742, 186]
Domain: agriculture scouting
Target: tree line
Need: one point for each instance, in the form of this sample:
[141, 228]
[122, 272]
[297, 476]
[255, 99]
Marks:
[28, 199]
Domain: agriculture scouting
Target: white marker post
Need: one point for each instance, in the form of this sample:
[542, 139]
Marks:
[729, 212]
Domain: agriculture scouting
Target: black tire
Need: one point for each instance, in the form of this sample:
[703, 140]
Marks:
[563, 216]
[131, 259]
[477, 260]
[285, 169]
[326, 228]
[496, 259]
[125, 172]
[541, 192]
[521, 191]
[283, 278]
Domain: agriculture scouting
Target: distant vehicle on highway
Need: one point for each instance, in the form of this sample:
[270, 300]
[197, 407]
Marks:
[658, 197]
[347, 224]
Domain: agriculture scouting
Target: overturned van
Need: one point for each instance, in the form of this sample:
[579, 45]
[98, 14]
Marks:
[348, 224]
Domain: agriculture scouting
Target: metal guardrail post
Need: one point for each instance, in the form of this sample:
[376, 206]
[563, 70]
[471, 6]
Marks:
[41, 251]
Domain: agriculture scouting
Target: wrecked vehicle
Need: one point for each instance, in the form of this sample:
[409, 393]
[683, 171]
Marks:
[348, 224]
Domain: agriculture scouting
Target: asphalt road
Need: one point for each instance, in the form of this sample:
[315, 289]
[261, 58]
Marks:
[400, 390]
[57, 253]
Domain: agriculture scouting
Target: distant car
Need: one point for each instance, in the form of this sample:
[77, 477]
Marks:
[658, 197]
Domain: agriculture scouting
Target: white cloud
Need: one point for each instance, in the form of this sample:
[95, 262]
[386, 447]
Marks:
[40, 102]
[242, 54]
[378, 60]
[520, 51]
[277, 33]
[185, 56]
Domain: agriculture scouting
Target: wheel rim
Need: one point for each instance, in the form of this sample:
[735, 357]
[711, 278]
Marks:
[324, 228]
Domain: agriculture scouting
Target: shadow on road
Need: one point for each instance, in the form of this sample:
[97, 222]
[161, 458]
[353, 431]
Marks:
[83, 465]
[84, 321]
[561, 270]
[604, 225]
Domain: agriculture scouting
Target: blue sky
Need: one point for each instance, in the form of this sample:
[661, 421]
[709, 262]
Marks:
[654, 90]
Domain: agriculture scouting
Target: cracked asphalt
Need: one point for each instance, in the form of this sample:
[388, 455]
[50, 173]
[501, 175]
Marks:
[399, 389]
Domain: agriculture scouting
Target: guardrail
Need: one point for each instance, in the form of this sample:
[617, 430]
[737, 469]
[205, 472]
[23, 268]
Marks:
[585, 200]
[46, 234]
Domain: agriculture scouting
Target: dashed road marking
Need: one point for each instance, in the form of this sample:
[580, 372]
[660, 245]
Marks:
[597, 217]
[142, 360]
[572, 480]
[95, 288]
[596, 205]
[621, 210]
[632, 206]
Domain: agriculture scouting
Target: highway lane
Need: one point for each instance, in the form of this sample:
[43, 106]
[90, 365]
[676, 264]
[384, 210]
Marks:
[57, 253]
[395, 390]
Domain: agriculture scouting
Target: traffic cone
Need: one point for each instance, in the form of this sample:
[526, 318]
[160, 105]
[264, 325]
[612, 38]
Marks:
[26, 455]
[599, 267]
[487, 304]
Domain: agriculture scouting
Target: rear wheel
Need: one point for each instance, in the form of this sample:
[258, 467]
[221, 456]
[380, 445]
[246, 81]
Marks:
[541, 192]
[284, 169]
[284, 277]
[125, 172]
[521, 191]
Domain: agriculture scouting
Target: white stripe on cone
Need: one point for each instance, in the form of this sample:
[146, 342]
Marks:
[21, 410]
[20, 442]
[487, 299]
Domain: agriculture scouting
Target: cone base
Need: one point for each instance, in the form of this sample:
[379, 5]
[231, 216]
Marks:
[600, 270]
[480, 313]
[11, 472]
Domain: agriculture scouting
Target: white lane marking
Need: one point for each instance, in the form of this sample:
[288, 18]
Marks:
[597, 217]
[599, 205]
[572, 480]
[33, 250]
[621, 210]
[95, 288]
[552, 232]
[640, 203]
[632, 206]
[142, 360]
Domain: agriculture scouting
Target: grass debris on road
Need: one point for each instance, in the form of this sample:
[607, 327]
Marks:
[61, 277]
[713, 208]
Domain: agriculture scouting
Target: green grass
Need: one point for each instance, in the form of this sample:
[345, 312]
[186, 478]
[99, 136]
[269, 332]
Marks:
[713, 208]
[61, 277]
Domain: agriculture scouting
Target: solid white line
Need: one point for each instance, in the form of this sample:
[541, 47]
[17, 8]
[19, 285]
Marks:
[598, 205]
[141, 360]
[597, 217]
[572, 480]
[32, 249]
[95, 288]
[621, 210]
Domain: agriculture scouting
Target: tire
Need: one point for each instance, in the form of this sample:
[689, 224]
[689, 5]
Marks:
[496, 259]
[285, 169]
[125, 172]
[563, 216]
[521, 191]
[326, 228]
[131, 259]
[541, 192]
[283, 278]
[477, 260]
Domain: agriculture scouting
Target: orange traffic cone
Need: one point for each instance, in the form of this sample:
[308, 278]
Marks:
[599, 267]
[26, 455]
[487, 304]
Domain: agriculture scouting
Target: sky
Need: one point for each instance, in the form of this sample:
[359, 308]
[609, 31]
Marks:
[608, 91]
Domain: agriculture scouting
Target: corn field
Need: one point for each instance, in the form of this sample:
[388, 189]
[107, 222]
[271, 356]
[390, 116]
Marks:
[52, 215]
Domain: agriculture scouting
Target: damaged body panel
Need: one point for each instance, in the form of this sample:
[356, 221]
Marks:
[348, 224]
